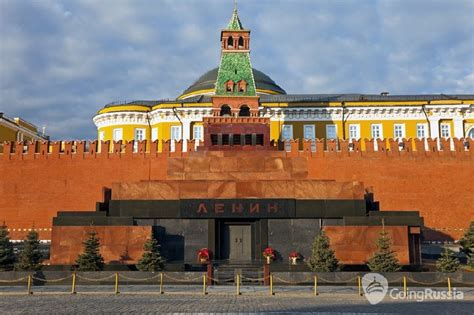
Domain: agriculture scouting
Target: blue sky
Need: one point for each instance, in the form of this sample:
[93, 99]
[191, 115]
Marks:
[61, 61]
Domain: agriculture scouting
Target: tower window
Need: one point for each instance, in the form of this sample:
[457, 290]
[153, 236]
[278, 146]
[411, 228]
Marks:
[244, 111]
[229, 86]
[225, 110]
[230, 42]
[242, 85]
[241, 42]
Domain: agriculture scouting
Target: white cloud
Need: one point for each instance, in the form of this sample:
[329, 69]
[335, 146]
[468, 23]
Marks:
[60, 61]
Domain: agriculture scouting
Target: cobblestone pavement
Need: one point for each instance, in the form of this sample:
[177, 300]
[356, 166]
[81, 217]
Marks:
[220, 299]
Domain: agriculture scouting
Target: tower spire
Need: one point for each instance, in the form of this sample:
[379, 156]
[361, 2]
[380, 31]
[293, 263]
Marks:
[234, 23]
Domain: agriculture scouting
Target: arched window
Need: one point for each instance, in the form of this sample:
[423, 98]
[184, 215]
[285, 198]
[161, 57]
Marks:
[225, 110]
[241, 42]
[230, 42]
[470, 134]
[244, 111]
[242, 86]
[229, 86]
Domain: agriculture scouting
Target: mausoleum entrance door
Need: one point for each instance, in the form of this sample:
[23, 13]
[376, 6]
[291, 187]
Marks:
[239, 242]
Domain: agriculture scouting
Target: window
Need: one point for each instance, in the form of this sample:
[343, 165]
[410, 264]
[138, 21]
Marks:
[139, 135]
[117, 136]
[244, 111]
[376, 131]
[287, 132]
[225, 110]
[101, 136]
[308, 132]
[175, 135]
[331, 132]
[197, 133]
[421, 130]
[154, 134]
[470, 134]
[354, 131]
[399, 130]
[445, 130]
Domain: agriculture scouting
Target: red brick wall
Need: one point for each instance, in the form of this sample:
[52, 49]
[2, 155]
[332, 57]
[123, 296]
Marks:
[119, 244]
[34, 187]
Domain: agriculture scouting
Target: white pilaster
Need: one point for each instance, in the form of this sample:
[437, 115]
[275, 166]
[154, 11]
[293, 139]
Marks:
[458, 127]
[434, 127]
[186, 134]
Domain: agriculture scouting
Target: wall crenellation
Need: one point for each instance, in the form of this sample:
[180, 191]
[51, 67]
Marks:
[319, 147]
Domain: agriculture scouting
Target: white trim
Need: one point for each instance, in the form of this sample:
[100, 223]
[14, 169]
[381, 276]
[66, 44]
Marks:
[402, 130]
[114, 133]
[357, 131]
[380, 131]
[154, 133]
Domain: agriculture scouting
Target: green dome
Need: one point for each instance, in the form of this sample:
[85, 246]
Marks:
[208, 80]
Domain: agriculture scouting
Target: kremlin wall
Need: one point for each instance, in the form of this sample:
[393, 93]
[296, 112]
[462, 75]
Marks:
[44, 178]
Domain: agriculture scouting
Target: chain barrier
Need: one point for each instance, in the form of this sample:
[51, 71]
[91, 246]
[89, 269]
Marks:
[180, 280]
[291, 282]
[221, 280]
[13, 281]
[135, 279]
[255, 279]
[95, 280]
[343, 281]
[425, 283]
[52, 280]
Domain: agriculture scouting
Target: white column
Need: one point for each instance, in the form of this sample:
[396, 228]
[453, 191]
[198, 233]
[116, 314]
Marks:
[434, 126]
[186, 134]
[458, 127]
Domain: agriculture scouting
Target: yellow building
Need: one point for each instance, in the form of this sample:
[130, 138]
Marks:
[308, 116]
[17, 129]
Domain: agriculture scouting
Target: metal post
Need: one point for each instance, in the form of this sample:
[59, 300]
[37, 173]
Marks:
[161, 283]
[238, 284]
[204, 292]
[316, 286]
[449, 286]
[405, 289]
[117, 283]
[271, 285]
[30, 284]
[73, 287]
[359, 283]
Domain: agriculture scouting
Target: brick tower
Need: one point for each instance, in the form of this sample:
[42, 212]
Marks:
[235, 124]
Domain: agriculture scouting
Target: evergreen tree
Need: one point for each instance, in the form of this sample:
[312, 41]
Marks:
[90, 259]
[467, 245]
[151, 259]
[30, 255]
[7, 256]
[384, 259]
[447, 262]
[322, 257]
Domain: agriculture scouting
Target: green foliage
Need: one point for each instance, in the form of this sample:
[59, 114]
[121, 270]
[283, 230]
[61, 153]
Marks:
[322, 257]
[467, 245]
[447, 262]
[30, 255]
[384, 259]
[7, 256]
[235, 66]
[151, 259]
[90, 259]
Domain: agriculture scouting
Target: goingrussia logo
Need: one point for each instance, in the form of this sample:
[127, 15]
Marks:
[376, 288]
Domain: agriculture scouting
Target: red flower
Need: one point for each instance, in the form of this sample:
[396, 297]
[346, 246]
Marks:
[269, 252]
[204, 253]
[294, 255]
